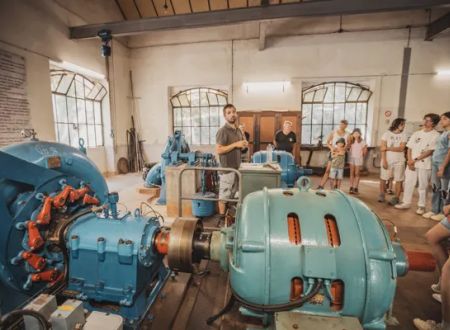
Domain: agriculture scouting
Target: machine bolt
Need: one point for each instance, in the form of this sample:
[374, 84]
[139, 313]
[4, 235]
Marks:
[295, 326]
[100, 239]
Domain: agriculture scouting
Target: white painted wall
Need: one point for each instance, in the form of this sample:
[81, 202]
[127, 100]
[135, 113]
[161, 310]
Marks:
[38, 30]
[373, 58]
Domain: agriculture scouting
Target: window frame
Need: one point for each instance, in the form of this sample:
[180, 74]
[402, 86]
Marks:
[321, 102]
[182, 101]
[91, 96]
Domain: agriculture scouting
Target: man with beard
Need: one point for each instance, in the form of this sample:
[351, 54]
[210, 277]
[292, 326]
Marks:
[229, 144]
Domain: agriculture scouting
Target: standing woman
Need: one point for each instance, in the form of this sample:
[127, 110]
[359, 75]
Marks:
[358, 150]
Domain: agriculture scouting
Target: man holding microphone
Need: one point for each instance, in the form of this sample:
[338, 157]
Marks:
[229, 144]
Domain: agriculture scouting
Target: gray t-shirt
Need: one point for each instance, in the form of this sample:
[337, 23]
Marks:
[225, 136]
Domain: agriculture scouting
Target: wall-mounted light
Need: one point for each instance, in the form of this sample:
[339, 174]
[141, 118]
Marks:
[443, 72]
[266, 86]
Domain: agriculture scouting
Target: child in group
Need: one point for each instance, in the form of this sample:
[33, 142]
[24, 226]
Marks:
[337, 163]
[358, 150]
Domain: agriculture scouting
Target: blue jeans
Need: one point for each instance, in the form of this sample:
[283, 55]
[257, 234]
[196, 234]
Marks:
[440, 187]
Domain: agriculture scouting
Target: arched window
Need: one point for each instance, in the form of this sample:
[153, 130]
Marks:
[198, 113]
[77, 108]
[325, 105]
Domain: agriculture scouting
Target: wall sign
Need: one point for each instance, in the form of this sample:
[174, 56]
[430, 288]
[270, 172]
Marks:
[14, 107]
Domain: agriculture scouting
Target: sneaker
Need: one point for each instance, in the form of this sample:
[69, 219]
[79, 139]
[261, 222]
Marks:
[390, 192]
[355, 191]
[351, 191]
[427, 325]
[437, 297]
[420, 211]
[394, 201]
[402, 206]
[381, 198]
[428, 215]
[437, 217]
[436, 288]
[319, 187]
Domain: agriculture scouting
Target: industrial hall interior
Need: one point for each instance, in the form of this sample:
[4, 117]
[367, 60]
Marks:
[225, 164]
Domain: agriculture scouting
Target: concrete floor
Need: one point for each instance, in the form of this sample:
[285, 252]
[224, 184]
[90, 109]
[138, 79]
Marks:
[413, 298]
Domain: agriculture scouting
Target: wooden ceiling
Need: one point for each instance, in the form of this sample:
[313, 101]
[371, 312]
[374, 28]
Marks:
[136, 9]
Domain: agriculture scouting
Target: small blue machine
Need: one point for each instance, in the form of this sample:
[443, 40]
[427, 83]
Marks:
[332, 261]
[60, 229]
[153, 178]
[290, 171]
[177, 152]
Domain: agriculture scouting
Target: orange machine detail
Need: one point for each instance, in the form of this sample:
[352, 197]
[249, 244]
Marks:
[44, 216]
[35, 260]
[60, 199]
[162, 242]
[76, 194]
[46, 276]
[35, 240]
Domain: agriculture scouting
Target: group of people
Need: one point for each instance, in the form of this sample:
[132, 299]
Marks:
[427, 161]
[421, 160]
[342, 145]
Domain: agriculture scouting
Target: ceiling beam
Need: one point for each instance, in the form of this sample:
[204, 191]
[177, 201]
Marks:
[239, 15]
[436, 27]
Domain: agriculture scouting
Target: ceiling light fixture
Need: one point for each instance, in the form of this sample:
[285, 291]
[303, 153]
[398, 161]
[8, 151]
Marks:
[260, 86]
[443, 72]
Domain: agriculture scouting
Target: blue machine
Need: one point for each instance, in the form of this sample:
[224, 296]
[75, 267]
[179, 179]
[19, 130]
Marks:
[290, 171]
[60, 228]
[153, 177]
[334, 261]
[177, 152]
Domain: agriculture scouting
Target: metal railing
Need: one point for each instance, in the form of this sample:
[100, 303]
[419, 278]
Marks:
[214, 169]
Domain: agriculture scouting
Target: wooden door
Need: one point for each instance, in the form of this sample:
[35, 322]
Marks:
[267, 128]
[248, 120]
[262, 126]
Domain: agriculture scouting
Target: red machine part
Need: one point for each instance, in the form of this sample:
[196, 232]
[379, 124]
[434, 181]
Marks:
[60, 199]
[89, 200]
[49, 275]
[296, 288]
[337, 290]
[34, 260]
[35, 240]
[421, 261]
[45, 215]
[76, 194]
[162, 242]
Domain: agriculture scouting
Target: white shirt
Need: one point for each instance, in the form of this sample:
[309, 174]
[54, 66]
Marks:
[422, 141]
[394, 140]
[336, 137]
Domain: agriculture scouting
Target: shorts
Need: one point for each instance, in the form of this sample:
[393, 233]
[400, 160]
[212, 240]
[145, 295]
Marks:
[336, 173]
[396, 171]
[445, 223]
[357, 161]
[228, 185]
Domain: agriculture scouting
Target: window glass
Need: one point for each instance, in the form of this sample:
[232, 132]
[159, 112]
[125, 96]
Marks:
[77, 105]
[197, 112]
[325, 105]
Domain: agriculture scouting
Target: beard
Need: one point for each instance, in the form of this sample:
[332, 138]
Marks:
[231, 121]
